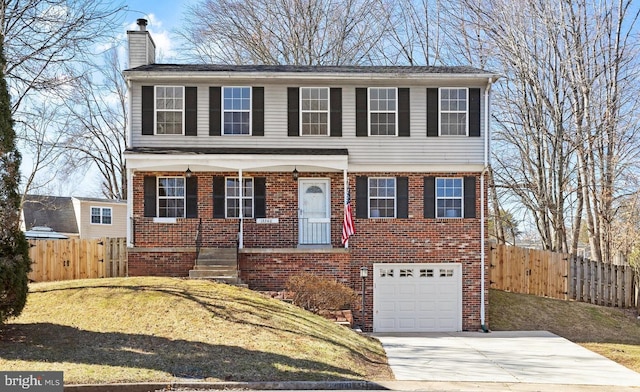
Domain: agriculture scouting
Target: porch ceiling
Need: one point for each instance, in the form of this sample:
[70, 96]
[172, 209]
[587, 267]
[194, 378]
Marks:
[211, 159]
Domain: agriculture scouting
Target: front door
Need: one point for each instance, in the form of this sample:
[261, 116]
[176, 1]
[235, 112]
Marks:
[314, 212]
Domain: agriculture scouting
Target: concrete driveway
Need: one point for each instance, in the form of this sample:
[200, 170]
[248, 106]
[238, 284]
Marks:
[537, 357]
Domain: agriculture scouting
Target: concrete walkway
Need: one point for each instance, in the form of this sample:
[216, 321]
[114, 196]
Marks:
[537, 357]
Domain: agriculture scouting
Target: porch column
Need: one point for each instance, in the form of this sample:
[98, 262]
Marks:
[240, 215]
[130, 208]
[345, 178]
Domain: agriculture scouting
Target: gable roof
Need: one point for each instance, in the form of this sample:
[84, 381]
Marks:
[290, 72]
[55, 212]
[352, 69]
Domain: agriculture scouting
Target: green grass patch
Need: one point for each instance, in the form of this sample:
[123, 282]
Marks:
[611, 332]
[166, 329]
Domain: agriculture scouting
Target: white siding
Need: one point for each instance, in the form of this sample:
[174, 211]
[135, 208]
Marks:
[416, 149]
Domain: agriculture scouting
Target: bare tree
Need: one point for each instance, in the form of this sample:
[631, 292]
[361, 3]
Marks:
[97, 120]
[604, 95]
[45, 39]
[47, 42]
[39, 130]
[564, 139]
[293, 32]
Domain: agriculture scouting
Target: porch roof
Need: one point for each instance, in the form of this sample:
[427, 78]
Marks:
[225, 159]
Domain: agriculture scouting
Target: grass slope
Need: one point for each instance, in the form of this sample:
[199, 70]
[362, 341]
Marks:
[163, 329]
[611, 332]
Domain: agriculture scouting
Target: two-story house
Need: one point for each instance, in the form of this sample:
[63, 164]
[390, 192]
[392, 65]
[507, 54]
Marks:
[255, 163]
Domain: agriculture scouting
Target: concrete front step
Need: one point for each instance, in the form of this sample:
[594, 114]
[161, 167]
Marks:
[218, 268]
[199, 274]
[218, 256]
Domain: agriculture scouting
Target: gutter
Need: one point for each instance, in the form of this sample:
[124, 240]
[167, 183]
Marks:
[482, 209]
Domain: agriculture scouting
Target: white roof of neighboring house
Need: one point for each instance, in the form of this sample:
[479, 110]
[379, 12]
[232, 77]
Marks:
[43, 232]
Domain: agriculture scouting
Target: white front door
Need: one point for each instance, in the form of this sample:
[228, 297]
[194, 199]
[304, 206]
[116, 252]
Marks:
[314, 212]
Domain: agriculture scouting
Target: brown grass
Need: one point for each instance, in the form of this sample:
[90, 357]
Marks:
[162, 329]
[611, 332]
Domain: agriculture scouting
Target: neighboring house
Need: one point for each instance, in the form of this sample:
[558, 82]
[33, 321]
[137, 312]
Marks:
[252, 165]
[74, 217]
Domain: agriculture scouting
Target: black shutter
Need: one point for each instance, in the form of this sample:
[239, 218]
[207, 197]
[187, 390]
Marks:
[336, 111]
[148, 110]
[149, 196]
[257, 111]
[474, 112]
[191, 111]
[362, 197]
[433, 113]
[404, 123]
[192, 197]
[293, 108]
[429, 197]
[218, 197]
[402, 189]
[260, 197]
[470, 197]
[362, 127]
[215, 111]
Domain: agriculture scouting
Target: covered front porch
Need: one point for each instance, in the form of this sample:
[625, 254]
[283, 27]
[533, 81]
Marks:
[283, 190]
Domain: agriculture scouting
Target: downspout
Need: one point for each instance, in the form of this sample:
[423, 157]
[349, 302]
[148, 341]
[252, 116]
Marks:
[482, 209]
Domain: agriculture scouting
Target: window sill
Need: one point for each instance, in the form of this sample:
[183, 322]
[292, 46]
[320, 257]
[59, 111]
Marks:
[165, 220]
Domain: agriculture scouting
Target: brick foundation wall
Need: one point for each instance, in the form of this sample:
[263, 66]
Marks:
[160, 262]
[270, 271]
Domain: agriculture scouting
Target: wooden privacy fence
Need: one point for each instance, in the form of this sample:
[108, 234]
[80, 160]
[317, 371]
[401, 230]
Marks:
[562, 276]
[77, 259]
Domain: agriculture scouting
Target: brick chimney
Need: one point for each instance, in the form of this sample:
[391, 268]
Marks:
[142, 49]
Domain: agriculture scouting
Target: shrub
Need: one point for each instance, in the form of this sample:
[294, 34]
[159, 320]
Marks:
[14, 248]
[315, 293]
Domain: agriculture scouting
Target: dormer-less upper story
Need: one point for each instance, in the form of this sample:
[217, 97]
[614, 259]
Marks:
[382, 115]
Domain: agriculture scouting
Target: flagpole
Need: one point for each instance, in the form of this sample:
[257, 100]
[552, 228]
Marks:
[346, 190]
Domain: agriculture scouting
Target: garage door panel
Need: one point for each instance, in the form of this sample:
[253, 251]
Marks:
[405, 288]
[427, 289]
[407, 306]
[427, 306]
[406, 323]
[417, 298]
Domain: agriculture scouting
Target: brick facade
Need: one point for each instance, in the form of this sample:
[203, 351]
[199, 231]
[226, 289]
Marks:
[271, 253]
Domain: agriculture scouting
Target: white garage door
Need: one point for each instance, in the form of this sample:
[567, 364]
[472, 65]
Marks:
[417, 297]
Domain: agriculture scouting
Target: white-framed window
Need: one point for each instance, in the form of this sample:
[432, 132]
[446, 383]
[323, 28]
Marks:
[236, 110]
[449, 197]
[171, 197]
[169, 110]
[382, 197]
[101, 215]
[232, 197]
[314, 110]
[383, 111]
[454, 104]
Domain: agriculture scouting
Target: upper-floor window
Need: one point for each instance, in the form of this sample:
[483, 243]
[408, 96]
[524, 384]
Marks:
[169, 110]
[383, 119]
[314, 110]
[382, 197]
[453, 111]
[171, 197]
[234, 199]
[101, 215]
[237, 110]
[449, 197]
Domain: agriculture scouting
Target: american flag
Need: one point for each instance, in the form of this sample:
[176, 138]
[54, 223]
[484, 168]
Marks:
[348, 229]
